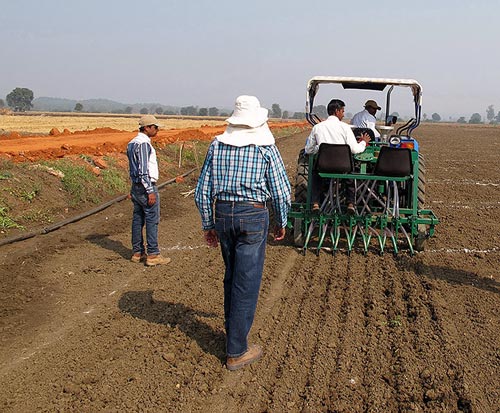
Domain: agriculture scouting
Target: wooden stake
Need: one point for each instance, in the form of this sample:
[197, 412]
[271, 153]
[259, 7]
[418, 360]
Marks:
[180, 154]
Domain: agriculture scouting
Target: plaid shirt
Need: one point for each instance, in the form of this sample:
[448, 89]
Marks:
[248, 173]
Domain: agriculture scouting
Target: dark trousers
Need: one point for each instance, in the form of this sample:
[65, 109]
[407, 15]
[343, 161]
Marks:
[145, 216]
[242, 230]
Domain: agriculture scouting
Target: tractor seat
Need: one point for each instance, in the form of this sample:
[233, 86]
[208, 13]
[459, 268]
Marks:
[334, 158]
[394, 162]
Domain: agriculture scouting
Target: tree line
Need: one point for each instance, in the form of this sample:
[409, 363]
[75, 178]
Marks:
[21, 100]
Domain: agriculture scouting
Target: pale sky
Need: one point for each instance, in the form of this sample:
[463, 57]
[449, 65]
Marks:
[205, 53]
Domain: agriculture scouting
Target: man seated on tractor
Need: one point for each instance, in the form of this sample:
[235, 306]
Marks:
[333, 130]
[366, 118]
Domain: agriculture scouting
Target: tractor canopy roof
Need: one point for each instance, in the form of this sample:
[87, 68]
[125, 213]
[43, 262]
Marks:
[364, 83]
[367, 83]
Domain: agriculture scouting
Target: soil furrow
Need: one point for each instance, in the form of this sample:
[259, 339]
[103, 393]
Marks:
[378, 358]
[316, 392]
[291, 381]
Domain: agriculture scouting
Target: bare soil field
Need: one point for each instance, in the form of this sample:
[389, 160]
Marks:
[84, 329]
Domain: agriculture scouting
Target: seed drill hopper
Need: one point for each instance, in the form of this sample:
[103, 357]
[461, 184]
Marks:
[388, 177]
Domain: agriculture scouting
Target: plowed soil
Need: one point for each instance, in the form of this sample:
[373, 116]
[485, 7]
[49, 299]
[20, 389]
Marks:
[83, 329]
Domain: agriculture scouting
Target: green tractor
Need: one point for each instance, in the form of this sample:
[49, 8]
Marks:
[388, 177]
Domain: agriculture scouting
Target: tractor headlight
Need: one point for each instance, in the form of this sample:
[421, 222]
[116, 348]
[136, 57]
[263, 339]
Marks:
[395, 140]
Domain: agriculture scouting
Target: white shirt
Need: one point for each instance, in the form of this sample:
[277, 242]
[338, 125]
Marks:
[149, 156]
[365, 119]
[332, 130]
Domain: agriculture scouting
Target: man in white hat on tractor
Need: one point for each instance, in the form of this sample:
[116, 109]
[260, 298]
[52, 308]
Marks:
[242, 175]
[366, 118]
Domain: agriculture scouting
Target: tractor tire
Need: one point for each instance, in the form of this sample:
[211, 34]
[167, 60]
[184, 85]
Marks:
[421, 236]
[302, 177]
[421, 181]
[298, 235]
[300, 195]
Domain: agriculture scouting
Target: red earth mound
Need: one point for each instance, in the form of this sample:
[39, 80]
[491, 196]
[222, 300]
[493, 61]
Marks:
[100, 141]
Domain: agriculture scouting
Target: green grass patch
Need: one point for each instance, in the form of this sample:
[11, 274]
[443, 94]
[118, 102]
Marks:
[393, 323]
[6, 222]
[28, 195]
[114, 181]
[5, 174]
[38, 216]
[78, 181]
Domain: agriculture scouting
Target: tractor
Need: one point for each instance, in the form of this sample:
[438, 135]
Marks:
[388, 179]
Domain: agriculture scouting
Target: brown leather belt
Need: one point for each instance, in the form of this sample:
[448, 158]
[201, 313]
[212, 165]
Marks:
[235, 203]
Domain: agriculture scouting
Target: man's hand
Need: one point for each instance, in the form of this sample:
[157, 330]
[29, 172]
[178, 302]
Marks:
[279, 233]
[151, 199]
[211, 238]
[365, 137]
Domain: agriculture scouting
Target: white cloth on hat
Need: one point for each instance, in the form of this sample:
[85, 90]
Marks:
[245, 136]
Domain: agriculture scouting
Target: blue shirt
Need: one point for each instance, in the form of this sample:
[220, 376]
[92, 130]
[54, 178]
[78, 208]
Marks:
[248, 173]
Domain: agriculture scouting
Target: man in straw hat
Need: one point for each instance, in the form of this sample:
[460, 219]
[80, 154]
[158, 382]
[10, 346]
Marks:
[242, 175]
[366, 118]
[144, 192]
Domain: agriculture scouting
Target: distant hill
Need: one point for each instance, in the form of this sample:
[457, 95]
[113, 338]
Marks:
[50, 104]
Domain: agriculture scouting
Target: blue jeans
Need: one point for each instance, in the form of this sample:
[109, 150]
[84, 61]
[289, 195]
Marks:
[145, 215]
[242, 230]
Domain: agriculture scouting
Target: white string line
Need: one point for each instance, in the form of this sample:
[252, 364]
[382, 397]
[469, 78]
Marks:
[460, 202]
[482, 205]
[463, 182]
[179, 247]
[463, 250]
[438, 250]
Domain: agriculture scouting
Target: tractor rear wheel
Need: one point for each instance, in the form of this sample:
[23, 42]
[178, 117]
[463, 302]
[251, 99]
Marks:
[300, 193]
[302, 177]
[421, 236]
[298, 235]
[421, 181]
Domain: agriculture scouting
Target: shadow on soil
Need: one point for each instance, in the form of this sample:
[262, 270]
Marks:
[103, 241]
[451, 275]
[141, 304]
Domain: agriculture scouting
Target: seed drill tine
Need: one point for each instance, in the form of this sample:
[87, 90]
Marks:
[335, 232]
[365, 232]
[351, 234]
